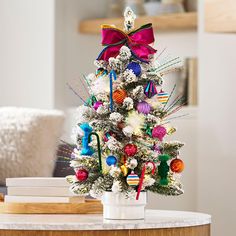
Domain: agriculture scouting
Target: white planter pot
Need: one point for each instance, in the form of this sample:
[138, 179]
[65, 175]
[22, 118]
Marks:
[118, 207]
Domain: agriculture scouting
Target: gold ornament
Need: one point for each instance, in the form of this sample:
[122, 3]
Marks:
[124, 170]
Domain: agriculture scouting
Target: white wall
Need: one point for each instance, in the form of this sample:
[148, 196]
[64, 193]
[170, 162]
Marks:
[217, 112]
[27, 53]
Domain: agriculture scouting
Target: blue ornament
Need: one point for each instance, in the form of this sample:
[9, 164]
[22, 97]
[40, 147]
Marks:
[86, 149]
[111, 160]
[135, 67]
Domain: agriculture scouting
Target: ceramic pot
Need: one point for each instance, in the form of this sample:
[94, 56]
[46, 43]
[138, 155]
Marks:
[117, 207]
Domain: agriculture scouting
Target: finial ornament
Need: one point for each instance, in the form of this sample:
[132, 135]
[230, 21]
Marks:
[129, 19]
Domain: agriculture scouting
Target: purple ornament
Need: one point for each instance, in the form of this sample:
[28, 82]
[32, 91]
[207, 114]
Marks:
[150, 89]
[143, 107]
[97, 105]
[156, 148]
[159, 132]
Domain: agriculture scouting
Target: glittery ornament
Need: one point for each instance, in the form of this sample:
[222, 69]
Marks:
[124, 170]
[132, 179]
[97, 105]
[162, 97]
[135, 67]
[111, 160]
[81, 174]
[130, 149]
[143, 107]
[150, 89]
[159, 132]
[119, 95]
[177, 165]
[101, 72]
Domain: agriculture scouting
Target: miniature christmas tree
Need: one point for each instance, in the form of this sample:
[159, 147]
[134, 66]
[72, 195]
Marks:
[123, 125]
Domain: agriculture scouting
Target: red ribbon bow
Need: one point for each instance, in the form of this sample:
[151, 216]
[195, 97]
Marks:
[137, 41]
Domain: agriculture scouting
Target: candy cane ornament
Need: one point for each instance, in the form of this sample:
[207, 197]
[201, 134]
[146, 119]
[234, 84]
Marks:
[142, 177]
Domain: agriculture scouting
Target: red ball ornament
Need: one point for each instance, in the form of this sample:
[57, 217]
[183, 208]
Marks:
[130, 149]
[119, 96]
[177, 165]
[81, 174]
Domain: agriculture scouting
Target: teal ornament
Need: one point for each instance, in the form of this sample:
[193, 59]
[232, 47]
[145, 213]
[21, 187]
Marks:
[100, 72]
[111, 160]
[150, 89]
[163, 168]
[135, 67]
[86, 149]
[91, 100]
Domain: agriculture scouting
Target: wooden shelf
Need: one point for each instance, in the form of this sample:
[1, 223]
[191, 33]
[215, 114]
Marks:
[168, 22]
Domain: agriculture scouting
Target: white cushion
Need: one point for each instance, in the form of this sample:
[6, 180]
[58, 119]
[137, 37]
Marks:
[28, 141]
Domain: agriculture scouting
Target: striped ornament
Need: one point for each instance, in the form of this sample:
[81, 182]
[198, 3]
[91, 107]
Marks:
[162, 97]
[132, 179]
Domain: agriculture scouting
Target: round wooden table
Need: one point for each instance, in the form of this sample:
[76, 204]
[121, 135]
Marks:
[156, 223]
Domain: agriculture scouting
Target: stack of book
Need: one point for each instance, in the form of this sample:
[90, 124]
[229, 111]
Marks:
[39, 190]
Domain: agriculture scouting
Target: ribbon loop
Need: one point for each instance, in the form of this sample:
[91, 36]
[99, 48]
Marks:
[138, 42]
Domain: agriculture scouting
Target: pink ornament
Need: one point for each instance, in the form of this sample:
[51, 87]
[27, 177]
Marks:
[97, 105]
[159, 132]
[143, 107]
[81, 174]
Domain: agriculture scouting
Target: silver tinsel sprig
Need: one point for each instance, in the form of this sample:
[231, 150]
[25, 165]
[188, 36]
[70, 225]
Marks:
[100, 124]
[116, 117]
[100, 185]
[113, 145]
[88, 162]
[129, 77]
[128, 103]
[84, 114]
[114, 171]
[80, 189]
[103, 110]
[124, 54]
[128, 131]
[116, 186]
[116, 64]
[100, 64]
[138, 93]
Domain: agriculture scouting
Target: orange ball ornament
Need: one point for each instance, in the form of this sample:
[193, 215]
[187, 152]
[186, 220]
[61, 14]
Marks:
[119, 95]
[177, 165]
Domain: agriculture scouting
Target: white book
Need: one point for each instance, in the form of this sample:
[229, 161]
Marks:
[34, 199]
[40, 191]
[37, 182]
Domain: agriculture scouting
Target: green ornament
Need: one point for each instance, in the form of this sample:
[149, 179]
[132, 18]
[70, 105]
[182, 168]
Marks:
[163, 168]
[148, 130]
[91, 100]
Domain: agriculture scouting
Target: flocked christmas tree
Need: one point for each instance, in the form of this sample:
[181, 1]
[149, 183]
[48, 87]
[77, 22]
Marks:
[123, 125]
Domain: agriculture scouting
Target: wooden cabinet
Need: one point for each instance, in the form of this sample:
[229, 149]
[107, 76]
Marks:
[220, 16]
[203, 230]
